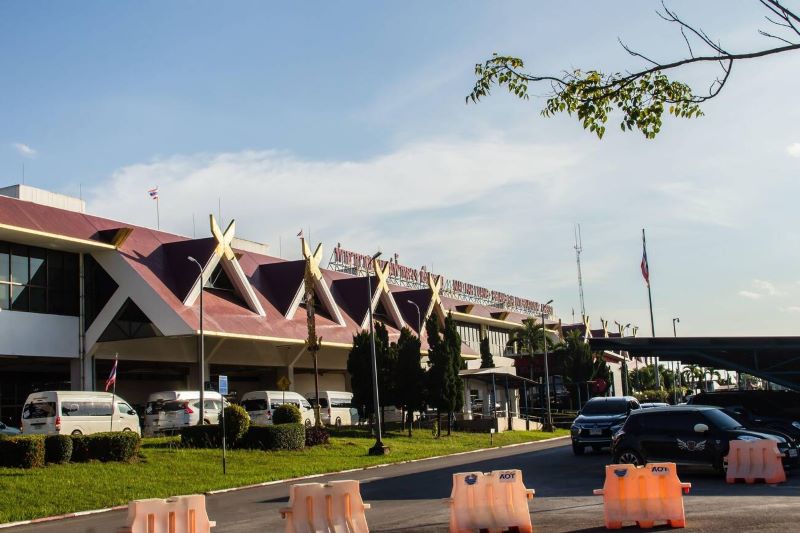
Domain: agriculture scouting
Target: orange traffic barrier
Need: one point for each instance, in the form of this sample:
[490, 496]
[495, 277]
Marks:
[643, 495]
[180, 514]
[751, 460]
[492, 502]
[334, 507]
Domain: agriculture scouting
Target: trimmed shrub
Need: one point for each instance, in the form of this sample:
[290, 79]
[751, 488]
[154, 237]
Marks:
[279, 437]
[114, 446]
[237, 422]
[287, 414]
[57, 449]
[652, 396]
[206, 436]
[80, 448]
[22, 451]
[316, 436]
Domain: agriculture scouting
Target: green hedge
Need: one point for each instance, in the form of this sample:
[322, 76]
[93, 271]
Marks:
[287, 414]
[316, 436]
[207, 436]
[80, 448]
[237, 422]
[57, 449]
[277, 437]
[22, 451]
[120, 446]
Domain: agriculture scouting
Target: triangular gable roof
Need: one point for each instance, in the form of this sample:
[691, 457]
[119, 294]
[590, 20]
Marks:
[321, 289]
[278, 283]
[353, 296]
[180, 276]
[383, 294]
[223, 254]
[421, 298]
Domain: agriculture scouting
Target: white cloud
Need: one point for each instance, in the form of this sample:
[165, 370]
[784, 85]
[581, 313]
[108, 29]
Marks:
[749, 294]
[766, 287]
[793, 149]
[791, 309]
[24, 150]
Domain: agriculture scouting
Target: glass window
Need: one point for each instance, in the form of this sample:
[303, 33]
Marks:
[124, 408]
[19, 264]
[38, 299]
[19, 298]
[4, 263]
[4, 296]
[255, 405]
[38, 267]
[38, 410]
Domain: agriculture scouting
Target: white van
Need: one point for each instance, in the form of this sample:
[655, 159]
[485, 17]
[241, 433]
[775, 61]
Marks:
[77, 413]
[169, 411]
[260, 404]
[336, 407]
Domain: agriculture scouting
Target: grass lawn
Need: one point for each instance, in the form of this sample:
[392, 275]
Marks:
[162, 471]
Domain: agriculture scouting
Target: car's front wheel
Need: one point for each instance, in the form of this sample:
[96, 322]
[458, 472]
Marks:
[629, 457]
[578, 448]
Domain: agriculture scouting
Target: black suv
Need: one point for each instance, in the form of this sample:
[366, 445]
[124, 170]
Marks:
[686, 435]
[756, 409]
[598, 420]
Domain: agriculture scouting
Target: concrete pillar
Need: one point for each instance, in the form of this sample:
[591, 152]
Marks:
[75, 374]
[193, 379]
[287, 371]
[90, 380]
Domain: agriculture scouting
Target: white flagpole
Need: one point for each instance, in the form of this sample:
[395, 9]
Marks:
[114, 390]
[158, 215]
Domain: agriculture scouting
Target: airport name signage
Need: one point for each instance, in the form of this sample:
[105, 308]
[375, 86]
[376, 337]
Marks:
[359, 264]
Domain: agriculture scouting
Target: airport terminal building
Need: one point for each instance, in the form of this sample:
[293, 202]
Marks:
[77, 290]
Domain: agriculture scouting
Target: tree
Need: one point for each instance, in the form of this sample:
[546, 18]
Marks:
[487, 361]
[455, 390]
[529, 339]
[410, 375]
[359, 366]
[578, 362]
[642, 96]
[443, 380]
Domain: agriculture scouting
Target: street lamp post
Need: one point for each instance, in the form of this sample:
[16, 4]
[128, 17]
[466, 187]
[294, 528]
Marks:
[677, 364]
[378, 448]
[419, 319]
[549, 426]
[202, 355]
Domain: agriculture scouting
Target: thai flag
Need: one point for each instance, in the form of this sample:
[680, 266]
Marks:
[153, 193]
[645, 267]
[300, 233]
[112, 377]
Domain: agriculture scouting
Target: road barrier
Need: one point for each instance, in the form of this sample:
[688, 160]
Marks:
[491, 502]
[180, 514]
[643, 495]
[752, 460]
[334, 507]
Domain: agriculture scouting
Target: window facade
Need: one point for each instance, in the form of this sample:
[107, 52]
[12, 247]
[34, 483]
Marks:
[37, 280]
[470, 334]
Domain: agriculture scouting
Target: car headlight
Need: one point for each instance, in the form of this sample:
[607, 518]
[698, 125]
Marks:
[747, 438]
[796, 424]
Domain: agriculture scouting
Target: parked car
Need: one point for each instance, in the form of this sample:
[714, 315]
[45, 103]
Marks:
[9, 430]
[77, 413]
[598, 420]
[686, 435]
[771, 410]
[168, 411]
[336, 407]
[651, 405]
[260, 404]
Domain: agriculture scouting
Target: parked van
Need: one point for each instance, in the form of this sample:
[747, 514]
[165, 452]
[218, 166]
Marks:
[336, 407]
[77, 413]
[260, 404]
[169, 411]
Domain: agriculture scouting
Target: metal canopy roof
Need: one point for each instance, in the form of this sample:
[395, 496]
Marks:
[776, 359]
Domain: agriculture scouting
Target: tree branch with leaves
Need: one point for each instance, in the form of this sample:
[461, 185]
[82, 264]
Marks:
[642, 96]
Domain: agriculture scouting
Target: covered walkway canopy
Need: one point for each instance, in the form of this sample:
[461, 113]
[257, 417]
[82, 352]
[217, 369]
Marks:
[776, 359]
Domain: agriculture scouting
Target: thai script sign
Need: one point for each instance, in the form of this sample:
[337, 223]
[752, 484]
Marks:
[405, 276]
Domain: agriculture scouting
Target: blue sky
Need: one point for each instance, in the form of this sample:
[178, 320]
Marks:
[350, 119]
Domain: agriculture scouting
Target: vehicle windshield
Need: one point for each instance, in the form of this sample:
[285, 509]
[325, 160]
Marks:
[39, 410]
[613, 407]
[170, 407]
[721, 420]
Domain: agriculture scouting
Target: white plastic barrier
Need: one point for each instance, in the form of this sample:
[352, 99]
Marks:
[179, 514]
[334, 507]
[492, 502]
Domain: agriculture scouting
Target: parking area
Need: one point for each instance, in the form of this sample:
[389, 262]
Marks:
[408, 497]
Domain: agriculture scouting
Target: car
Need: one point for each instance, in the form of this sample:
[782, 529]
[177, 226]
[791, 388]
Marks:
[168, 411]
[651, 405]
[260, 404]
[598, 420]
[771, 410]
[687, 435]
[336, 407]
[9, 431]
[77, 413]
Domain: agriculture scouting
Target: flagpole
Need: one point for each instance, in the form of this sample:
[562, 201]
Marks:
[652, 322]
[113, 391]
[158, 215]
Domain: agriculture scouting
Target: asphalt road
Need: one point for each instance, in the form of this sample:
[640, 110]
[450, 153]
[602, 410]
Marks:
[407, 498]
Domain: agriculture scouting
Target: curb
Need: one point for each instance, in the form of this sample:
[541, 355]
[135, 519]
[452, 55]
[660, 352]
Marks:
[278, 481]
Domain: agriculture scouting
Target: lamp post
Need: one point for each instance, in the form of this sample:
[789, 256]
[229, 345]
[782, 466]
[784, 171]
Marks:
[202, 355]
[419, 319]
[625, 385]
[549, 426]
[378, 448]
[677, 365]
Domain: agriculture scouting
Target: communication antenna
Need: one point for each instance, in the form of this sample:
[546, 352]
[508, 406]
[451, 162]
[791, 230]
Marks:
[578, 250]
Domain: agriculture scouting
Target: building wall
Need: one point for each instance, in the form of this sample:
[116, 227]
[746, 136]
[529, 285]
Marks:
[38, 334]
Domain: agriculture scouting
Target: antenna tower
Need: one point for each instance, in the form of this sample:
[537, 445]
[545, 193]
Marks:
[578, 250]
